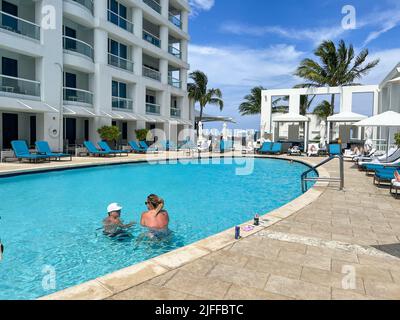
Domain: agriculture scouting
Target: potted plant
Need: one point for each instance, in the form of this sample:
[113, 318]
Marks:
[141, 134]
[110, 134]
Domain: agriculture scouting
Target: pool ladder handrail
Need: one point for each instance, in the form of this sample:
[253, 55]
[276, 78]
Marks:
[305, 179]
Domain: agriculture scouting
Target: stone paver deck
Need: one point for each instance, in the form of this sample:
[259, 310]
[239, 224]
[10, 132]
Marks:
[312, 254]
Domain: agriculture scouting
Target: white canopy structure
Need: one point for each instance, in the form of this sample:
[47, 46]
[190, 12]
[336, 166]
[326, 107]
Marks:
[295, 118]
[344, 117]
[209, 118]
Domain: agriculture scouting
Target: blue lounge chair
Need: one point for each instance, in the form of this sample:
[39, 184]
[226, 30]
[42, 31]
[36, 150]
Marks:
[21, 152]
[385, 174]
[265, 148]
[276, 148]
[335, 150]
[43, 148]
[168, 145]
[93, 151]
[146, 147]
[136, 148]
[226, 146]
[105, 147]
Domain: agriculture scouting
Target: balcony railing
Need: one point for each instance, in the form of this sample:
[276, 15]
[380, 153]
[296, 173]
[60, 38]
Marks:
[147, 36]
[19, 26]
[120, 21]
[122, 103]
[175, 52]
[175, 112]
[153, 4]
[150, 73]
[119, 62]
[174, 82]
[78, 95]
[176, 21]
[11, 85]
[86, 3]
[153, 108]
[78, 46]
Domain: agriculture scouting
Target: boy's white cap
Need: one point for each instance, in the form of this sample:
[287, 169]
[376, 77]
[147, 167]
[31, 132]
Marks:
[113, 207]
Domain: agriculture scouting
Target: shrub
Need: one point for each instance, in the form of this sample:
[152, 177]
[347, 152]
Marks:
[109, 133]
[141, 134]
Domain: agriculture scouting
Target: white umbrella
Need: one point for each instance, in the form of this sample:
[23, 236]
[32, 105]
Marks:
[225, 131]
[389, 119]
[322, 133]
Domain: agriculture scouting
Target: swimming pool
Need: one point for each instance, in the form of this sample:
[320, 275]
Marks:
[51, 219]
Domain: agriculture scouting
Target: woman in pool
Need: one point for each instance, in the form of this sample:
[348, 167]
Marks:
[156, 219]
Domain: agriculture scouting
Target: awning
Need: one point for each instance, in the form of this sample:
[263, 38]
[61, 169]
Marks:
[26, 106]
[346, 117]
[119, 115]
[291, 117]
[395, 80]
[75, 111]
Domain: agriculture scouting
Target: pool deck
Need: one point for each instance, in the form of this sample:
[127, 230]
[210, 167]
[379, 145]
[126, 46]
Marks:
[308, 249]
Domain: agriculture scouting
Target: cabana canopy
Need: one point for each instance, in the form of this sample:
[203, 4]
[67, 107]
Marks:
[386, 119]
[291, 117]
[346, 117]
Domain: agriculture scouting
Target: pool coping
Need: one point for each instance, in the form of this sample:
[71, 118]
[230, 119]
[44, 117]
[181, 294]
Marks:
[113, 283]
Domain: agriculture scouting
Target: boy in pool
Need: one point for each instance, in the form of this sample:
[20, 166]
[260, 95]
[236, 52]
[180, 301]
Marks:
[113, 225]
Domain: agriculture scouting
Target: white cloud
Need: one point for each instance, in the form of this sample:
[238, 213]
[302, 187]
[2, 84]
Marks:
[388, 60]
[315, 35]
[201, 5]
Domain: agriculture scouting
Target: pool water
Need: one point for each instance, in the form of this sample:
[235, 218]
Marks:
[52, 219]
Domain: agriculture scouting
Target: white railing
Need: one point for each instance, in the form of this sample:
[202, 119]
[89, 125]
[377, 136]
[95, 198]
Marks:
[78, 46]
[175, 82]
[175, 52]
[120, 21]
[86, 3]
[119, 62]
[149, 37]
[12, 85]
[150, 73]
[175, 112]
[154, 5]
[122, 103]
[176, 21]
[19, 26]
[153, 108]
[78, 95]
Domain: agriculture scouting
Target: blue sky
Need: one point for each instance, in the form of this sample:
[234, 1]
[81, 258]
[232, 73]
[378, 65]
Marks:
[242, 44]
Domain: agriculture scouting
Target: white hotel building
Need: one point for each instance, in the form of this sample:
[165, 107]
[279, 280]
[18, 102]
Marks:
[104, 62]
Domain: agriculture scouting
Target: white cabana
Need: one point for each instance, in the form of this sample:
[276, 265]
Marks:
[389, 119]
[294, 118]
[346, 118]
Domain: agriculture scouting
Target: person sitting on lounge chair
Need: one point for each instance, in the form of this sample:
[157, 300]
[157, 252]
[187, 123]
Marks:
[113, 225]
[312, 150]
[156, 219]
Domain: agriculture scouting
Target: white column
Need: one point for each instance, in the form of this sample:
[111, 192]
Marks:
[184, 78]
[266, 114]
[138, 60]
[346, 100]
[138, 22]
[100, 10]
[164, 8]
[294, 104]
[306, 132]
[100, 47]
[164, 71]
[164, 38]
[185, 21]
[184, 50]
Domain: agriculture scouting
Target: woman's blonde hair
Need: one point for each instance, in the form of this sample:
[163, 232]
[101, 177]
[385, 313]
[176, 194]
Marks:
[156, 202]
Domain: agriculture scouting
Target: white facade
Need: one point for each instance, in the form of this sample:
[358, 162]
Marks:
[82, 64]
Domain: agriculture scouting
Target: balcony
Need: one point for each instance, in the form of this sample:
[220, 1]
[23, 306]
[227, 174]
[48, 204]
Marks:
[120, 63]
[175, 112]
[175, 52]
[20, 26]
[176, 83]
[77, 46]
[152, 108]
[154, 5]
[122, 103]
[10, 86]
[120, 21]
[154, 40]
[176, 21]
[78, 96]
[152, 74]
[88, 4]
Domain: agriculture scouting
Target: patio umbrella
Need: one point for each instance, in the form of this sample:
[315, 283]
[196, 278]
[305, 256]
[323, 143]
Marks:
[225, 131]
[322, 133]
[389, 119]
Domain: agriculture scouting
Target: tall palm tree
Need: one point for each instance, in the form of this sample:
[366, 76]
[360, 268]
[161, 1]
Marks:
[323, 110]
[337, 66]
[199, 92]
[252, 104]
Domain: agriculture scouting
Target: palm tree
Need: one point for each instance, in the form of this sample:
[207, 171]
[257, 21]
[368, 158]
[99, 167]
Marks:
[323, 110]
[338, 66]
[199, 92]
[252, 104]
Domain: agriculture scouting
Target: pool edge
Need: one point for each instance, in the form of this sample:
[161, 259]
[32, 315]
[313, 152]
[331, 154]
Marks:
[111, 284]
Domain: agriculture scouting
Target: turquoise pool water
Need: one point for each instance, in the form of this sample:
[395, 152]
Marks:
[51, 219]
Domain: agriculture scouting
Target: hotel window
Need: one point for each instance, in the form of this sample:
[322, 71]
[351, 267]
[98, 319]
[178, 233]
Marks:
[119, 89]
[9, 22]
[117, 49]
[150, 98]
[117, 10]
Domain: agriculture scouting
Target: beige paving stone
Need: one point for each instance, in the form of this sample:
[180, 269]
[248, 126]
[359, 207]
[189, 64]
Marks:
[230, 258]
[239, 276]
[209, 288]
[319, 262]
[274, 267]
[333, 254]
[297, 289]
[348, 295]
[161, 280]
[382, 290]
[92, 290]
[149, 292]
[199, 267]
[366, 272]
[180, 257]
[245, 293]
